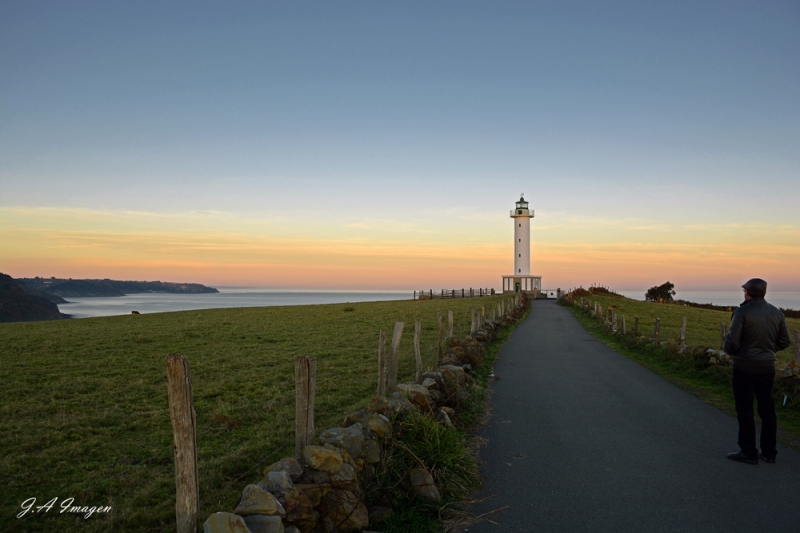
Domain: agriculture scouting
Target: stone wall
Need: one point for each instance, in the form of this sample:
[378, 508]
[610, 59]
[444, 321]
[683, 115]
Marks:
[323, 490]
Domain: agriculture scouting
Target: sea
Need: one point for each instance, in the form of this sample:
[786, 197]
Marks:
[786, 300]
[260, 297]
[161, 302]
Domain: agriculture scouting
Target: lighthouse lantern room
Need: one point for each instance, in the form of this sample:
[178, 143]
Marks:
[521, 279]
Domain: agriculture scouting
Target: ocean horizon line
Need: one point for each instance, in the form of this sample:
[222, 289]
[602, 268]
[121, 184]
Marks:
[250, 296]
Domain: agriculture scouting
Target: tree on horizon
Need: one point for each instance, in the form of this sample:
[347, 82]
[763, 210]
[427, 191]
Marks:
[661, 293]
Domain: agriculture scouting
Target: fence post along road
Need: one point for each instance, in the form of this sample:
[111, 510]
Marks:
[305, 368]
[184, 427]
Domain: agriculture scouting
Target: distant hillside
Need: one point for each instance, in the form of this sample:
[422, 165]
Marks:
[17, 306]
[43, 294]
[67, 288]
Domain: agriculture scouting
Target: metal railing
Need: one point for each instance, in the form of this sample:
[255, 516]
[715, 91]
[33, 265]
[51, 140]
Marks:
[442, 294]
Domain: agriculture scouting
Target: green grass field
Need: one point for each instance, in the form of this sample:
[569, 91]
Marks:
[85, 414]
[702, 325]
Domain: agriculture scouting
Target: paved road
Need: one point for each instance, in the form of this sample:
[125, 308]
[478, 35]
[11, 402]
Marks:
[583, 439]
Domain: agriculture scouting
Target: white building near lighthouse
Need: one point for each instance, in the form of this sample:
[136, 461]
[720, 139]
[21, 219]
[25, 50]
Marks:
[521, 279]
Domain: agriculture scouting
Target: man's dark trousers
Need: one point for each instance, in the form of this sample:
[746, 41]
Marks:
[745, 386]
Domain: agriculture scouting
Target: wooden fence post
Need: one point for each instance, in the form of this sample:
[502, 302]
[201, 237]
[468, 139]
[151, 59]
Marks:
[683, 332]
[417, 355]
[440, 341]
[398, 332]
[624, 329]
[382, 364]
[450, 324]
[658, 327]
[305, 391]
[636, 326]
[184, 429]
[472, 327]
[723, 333]
[613, 322]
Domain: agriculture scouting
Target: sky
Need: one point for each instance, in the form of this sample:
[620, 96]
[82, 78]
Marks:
[381, 145]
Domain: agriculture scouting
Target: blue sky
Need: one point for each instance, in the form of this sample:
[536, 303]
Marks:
[315, 117]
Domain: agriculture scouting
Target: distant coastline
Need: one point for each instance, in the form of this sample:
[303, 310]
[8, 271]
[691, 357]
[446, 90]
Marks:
[32, 299]
[56, 289]
[17, 305]
[227, 297]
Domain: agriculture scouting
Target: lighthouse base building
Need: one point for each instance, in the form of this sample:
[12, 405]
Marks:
[521, 280]
[528, 284]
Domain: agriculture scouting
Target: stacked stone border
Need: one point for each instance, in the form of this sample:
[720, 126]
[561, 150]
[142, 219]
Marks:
[320, 490]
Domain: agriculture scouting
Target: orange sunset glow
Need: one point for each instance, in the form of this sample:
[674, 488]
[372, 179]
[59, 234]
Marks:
[221, 249]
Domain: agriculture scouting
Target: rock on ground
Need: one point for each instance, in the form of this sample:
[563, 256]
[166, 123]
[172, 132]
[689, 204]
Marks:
[256, 500]
[225, 523]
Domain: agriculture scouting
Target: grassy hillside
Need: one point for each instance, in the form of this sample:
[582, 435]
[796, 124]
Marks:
[702, 325]
[85, 414]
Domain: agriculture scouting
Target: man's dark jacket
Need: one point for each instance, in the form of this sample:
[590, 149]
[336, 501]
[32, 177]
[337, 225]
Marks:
[758, 330]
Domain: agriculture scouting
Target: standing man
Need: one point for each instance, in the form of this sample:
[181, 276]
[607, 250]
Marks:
[758, 330]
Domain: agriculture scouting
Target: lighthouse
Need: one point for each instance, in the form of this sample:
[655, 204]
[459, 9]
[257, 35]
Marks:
[521, 279]
[522, 237]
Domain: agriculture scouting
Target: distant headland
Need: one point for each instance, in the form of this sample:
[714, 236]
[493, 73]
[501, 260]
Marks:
[16, 305]
[81, 288]
[29, 299]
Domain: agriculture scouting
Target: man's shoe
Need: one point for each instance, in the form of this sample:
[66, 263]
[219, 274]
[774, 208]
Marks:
[740, 457]
[766, 459]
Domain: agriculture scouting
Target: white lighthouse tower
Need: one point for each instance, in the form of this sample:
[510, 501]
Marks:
[521, 279]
